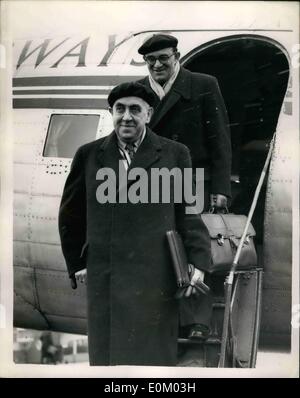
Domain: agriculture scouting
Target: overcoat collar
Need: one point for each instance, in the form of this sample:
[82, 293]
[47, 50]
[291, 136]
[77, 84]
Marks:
[148, 153]
[108, 154]
[181, 89]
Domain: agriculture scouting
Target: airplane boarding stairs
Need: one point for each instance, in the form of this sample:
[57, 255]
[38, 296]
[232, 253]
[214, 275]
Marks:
[243, 329]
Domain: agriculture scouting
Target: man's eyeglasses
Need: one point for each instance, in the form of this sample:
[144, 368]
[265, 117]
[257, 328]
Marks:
[163, 58]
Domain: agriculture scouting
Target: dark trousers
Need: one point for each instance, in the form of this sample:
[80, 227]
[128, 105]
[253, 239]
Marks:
[196, 309]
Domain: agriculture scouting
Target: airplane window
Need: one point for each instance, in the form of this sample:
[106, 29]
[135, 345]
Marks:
[67, 133]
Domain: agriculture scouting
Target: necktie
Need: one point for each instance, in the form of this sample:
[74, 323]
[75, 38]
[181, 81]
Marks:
[130, 150]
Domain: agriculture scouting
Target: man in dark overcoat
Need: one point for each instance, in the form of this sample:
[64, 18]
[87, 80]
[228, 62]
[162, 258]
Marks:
[189, 108]
[120, 249]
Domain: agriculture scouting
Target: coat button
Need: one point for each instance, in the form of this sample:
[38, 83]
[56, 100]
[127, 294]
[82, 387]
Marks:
[175, 137]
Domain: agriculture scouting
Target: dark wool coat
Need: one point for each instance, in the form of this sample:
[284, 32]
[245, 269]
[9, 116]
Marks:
[132, 313]
[194, 113]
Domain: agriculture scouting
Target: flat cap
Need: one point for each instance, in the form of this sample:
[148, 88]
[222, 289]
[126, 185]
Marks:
[131, 89]
[157, 42]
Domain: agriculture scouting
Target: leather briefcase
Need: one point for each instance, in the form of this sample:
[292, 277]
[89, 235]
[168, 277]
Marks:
[225, 231]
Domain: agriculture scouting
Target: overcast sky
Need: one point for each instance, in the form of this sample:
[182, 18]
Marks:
[41, 18]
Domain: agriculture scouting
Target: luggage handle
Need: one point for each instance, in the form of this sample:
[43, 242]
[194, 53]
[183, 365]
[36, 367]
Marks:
[213, 210]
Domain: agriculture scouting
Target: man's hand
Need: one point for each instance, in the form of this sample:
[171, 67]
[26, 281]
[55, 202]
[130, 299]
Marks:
[197, 276]
[218, 201]
[80, 276]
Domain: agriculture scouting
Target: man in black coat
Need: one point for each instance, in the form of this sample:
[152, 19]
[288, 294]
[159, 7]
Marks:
[119, 246]
[189, 108]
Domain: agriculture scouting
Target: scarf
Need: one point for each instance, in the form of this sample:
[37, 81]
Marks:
[161, 91]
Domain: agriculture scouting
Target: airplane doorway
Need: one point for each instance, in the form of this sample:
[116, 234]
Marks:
[253, 73]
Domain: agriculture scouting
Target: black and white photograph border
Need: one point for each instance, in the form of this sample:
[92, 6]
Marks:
[44, 40]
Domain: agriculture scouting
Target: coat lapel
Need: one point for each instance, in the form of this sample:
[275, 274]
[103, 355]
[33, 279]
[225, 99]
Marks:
[148, 152]
[108, 155]
[180, 89]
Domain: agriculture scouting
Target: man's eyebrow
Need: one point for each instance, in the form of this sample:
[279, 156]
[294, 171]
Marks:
[117, 103]
[164, 53]
[135, 106]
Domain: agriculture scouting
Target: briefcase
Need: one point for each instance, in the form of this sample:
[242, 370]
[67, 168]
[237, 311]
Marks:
[225, 232]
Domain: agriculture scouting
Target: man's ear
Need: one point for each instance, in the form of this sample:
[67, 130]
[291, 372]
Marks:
[150, 113]
[177, 55]
[110, 110]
